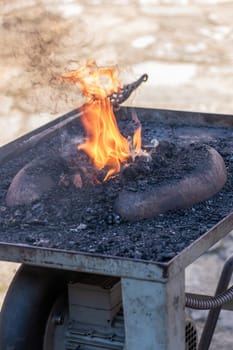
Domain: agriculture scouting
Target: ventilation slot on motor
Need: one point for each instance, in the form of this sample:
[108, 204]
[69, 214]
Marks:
[190, 335]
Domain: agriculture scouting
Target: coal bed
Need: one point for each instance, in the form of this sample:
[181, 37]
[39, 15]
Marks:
[80, 217]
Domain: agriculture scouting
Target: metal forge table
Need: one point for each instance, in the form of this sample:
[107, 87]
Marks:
[153, 293]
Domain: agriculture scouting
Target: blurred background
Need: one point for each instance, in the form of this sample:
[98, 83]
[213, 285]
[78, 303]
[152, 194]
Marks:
[185, 46]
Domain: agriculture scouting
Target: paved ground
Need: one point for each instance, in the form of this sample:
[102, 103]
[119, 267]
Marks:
[186, 47]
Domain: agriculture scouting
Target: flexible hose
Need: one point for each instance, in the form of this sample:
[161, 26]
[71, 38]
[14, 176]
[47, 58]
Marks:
[206, 303]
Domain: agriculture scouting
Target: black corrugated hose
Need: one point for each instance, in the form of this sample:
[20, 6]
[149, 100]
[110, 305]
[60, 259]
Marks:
[206, 303]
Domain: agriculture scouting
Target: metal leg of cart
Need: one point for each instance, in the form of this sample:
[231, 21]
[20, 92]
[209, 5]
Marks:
[154, 314]
[213, 314]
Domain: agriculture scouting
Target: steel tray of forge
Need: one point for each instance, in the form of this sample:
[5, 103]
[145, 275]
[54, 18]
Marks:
[146, 258]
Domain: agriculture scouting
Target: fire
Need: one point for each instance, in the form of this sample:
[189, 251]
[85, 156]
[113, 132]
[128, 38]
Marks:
[104, 144]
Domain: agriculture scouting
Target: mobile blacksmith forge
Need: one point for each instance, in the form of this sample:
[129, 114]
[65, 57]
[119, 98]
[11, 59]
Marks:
[65, 299]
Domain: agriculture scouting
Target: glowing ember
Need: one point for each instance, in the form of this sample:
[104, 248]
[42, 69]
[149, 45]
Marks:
[104, 143]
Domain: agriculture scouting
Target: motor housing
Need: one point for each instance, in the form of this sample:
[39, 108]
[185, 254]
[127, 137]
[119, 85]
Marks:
[90, 317]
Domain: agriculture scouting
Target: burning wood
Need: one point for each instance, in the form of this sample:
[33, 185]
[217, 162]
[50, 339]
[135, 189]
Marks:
[104, 143]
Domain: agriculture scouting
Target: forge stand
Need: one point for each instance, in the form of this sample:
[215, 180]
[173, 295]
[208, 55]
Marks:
[67, 300]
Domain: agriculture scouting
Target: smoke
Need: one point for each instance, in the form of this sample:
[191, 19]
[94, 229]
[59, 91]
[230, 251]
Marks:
[37, 46]
[39, 41]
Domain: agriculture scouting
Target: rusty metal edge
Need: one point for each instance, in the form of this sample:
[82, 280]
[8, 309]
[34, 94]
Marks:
[82, 262]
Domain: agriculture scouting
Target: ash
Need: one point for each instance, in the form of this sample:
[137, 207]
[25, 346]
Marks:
[82, 219]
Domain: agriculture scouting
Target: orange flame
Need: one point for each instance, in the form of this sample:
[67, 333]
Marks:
[104, 143]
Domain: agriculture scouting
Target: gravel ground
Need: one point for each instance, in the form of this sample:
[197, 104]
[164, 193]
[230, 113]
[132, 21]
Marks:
[185, 46]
